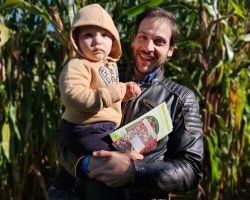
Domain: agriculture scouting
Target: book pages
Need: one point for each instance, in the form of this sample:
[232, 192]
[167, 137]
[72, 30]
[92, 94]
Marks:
[144, 132]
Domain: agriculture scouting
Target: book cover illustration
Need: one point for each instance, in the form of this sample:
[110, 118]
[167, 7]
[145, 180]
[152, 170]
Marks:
[144, 132]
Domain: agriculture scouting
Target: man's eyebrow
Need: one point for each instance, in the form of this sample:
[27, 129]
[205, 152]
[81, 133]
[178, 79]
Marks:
[157, 36]
[142, 32]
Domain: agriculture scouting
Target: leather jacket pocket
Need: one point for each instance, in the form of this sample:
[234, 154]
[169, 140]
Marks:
[148, 104]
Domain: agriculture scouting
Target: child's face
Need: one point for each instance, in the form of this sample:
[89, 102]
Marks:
[94, 42]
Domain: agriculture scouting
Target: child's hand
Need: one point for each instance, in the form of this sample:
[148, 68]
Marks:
[120, 88]
[132, 91]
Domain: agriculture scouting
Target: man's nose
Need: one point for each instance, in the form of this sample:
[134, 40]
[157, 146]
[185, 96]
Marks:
[149, 45]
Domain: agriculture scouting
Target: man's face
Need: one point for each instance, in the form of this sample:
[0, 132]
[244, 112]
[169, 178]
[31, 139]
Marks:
[151, 45]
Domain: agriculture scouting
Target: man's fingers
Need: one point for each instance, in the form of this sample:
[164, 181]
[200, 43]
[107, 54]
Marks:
[102, 154]
[95, 173]
[105, 154]
[135, 156]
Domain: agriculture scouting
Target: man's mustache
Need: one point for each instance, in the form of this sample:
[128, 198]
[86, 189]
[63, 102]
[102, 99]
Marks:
[150, 53]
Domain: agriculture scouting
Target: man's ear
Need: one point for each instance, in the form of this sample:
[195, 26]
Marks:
[133, 40]
[170, 51]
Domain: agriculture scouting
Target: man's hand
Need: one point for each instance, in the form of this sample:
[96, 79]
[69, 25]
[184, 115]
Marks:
[113, 168]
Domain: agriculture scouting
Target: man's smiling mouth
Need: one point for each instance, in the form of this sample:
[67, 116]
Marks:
[146, 56]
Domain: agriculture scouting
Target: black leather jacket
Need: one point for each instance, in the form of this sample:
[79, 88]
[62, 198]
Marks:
[175, 164]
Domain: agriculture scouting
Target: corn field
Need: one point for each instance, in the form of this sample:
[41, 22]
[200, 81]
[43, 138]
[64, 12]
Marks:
[212, 58]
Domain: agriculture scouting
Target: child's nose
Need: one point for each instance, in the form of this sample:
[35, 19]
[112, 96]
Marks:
[98, 39]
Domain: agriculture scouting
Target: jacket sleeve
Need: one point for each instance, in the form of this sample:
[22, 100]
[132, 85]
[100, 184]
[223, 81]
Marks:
[180, 166]
[66, 158]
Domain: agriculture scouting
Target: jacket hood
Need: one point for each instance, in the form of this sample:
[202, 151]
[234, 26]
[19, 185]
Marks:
[95, 15]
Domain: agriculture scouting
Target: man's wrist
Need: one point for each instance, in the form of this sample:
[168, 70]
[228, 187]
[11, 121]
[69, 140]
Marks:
[85, 164]
[132, 171]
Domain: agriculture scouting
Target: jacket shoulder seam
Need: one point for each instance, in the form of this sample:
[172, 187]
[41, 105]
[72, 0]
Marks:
[189, 106]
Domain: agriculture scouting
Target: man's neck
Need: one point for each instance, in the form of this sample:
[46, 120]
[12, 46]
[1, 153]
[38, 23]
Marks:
[138, 75]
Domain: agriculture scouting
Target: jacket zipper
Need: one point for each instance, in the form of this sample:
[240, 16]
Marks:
[146, 103]
[149, 105]
[124, 112]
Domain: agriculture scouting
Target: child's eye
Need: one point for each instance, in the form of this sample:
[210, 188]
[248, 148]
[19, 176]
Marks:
[105, 34]
[87, 35]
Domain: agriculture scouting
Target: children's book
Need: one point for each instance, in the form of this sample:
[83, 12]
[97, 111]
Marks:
[144, 132]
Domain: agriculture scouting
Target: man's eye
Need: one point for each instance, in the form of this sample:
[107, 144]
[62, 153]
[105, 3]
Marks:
[159, 42]
[142, 37]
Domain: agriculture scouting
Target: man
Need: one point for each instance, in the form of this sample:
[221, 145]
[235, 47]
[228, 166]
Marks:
[175, 164]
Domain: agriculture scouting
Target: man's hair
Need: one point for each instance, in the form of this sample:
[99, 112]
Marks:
[159, 13]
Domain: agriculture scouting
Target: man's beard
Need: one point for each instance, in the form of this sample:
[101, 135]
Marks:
[152, 67]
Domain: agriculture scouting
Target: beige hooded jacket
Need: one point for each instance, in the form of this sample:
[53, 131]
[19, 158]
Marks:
[86, 86]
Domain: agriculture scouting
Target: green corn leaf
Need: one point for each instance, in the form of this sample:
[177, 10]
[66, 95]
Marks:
[214, 159]
[10, 4]
[237, 10]
[71, 11]
[139, 9]
[245, 38]
[211, 9]
[6, 140]
[4, 34]
[222, 122]
[238, 100]
[241, 100]
[13, 111]
[229, 50]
